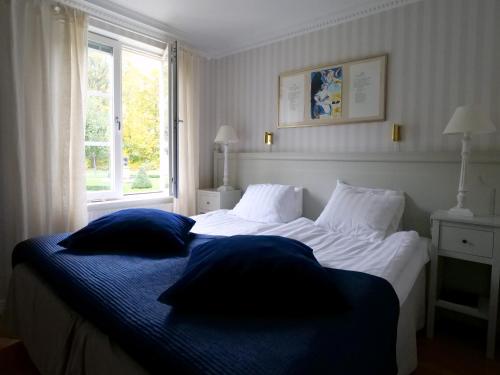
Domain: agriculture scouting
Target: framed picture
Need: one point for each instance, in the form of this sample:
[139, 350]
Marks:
[353, 91]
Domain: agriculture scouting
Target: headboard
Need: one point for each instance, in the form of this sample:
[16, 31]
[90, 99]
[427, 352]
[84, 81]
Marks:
[430, 180]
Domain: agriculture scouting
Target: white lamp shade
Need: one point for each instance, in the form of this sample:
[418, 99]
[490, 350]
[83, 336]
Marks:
[226, 134]
[469, 119]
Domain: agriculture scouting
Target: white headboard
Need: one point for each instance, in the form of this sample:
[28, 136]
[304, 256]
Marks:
[429, 179]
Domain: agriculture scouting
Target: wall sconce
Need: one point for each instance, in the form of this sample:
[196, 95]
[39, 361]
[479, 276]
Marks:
[268, 138]
[396, 132]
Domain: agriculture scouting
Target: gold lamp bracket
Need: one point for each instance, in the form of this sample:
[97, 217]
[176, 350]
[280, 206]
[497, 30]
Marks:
[396, 132]
[268, 138]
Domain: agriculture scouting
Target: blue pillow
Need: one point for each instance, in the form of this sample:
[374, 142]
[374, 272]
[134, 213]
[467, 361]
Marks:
[253, 274]
[136, 229]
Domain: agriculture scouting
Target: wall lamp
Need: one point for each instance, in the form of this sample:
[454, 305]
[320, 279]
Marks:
[268, 138]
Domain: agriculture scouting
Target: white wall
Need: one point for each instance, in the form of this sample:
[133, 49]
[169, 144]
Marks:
[442, 53]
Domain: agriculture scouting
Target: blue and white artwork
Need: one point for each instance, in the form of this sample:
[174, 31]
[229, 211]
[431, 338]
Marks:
[326, 93]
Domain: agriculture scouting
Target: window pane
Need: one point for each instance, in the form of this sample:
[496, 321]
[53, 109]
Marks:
[164, 120]
[100, 67]
[143, 167]
[99, 119]
[97, 159]
[98, 124]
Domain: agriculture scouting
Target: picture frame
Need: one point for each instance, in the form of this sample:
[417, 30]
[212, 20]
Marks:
[347, 92]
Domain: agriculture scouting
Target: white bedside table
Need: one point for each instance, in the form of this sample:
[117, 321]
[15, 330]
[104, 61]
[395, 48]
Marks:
[475, 239]
[211, 199]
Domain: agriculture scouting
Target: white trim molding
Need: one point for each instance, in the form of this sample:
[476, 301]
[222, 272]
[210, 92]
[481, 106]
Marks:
[123, 17]
[128, 201]
[485, 157]
[335, 18]
[129, 20]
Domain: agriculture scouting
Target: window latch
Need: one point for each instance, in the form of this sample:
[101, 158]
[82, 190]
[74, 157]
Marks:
[118, 123]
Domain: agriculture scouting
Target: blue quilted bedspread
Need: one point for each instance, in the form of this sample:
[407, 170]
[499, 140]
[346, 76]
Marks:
[118, 293]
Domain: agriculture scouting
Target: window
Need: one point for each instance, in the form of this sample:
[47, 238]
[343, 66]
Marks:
[126, 135]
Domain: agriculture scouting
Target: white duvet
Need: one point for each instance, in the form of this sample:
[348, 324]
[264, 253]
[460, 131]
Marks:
[398, 259]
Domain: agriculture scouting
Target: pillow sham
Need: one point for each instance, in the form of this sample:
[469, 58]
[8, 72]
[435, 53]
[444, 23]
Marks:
[395, 224]
[268, 203]
[133, 229]
[364, 213]
[253, 274]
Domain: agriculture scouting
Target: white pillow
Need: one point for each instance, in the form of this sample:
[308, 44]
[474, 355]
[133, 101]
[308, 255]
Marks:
[364, 213]
[268, 203]
[395, 225]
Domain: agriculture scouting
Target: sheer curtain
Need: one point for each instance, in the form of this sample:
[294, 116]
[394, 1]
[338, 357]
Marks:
[189, 73]
[43, 82]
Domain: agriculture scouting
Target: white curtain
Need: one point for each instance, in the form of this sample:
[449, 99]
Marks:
[42, 88]
[189, 78]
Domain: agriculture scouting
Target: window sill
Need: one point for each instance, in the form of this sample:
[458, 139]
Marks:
[130, 201]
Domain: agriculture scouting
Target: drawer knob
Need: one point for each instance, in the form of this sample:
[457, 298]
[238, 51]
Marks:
[464, 241]
[208, 202]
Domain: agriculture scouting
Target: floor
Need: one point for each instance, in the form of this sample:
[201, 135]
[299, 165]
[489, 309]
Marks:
[456, 350]
[14, 360]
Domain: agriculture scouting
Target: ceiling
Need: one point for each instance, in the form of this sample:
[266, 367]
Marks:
[222, 27]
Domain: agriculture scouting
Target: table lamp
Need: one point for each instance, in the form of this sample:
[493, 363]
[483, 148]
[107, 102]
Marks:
[225, 136]
[467, 120]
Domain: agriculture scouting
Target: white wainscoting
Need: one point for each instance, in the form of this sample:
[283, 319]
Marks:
[430, 180]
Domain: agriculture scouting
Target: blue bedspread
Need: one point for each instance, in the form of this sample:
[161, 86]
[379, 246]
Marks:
[118, 293]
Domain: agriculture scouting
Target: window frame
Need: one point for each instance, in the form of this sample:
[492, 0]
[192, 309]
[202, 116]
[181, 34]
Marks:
[116, 139]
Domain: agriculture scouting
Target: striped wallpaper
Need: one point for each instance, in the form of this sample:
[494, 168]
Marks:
[442, 53]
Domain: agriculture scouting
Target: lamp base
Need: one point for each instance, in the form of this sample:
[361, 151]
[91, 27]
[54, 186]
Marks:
[225, 188]
[457, 211]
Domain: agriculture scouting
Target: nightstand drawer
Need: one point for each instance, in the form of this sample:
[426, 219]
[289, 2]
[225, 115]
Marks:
[469, 241]
[208, 201]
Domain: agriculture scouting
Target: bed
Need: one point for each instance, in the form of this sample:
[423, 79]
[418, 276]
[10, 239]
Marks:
[105, 311]
[405, 270]
[92, 351]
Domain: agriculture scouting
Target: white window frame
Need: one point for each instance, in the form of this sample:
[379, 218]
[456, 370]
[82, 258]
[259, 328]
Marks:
[116, 162]
[116, 115]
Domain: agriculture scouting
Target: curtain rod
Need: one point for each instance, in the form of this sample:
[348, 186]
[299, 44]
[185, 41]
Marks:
[127, 30]
[121, 21]
[129, 24]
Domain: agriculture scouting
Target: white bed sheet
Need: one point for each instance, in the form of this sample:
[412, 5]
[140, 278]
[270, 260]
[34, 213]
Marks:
[222, 223]
[398, 259]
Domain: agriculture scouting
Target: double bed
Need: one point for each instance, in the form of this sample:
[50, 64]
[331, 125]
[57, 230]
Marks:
[68, 333]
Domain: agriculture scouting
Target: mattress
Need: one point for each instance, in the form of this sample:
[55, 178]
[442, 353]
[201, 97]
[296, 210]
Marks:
[398, 259]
